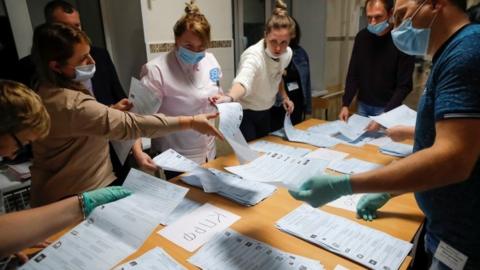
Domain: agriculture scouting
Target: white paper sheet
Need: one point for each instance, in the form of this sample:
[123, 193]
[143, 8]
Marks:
[145, 102]
[231, 250]
[113, 230]
[186, 206]
[327, 154]
[333, 129]
[316, 139]
[348, 202]
[231, 115]
[397, 149]
[371, 248]
[154, 259]
[380, 141]
[171, 160]
[353, 166]
[402, 115]
[280, 169]
[195, 229]
[354, 127]
[266, 146]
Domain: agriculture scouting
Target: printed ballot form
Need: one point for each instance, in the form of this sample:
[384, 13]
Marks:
[173, 161]
[231, 115]
[302, 136]
[154, 259]
[355, 127]
[145, 102]
[232, 250]
[353, 166]
[369, 247]
[193, 230]
[284, 170]
[401, 115]
[114, 230]
[266, 146]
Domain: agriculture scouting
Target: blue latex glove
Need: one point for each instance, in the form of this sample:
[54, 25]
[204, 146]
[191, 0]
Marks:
[323, 189]
[367, 205]
[94, 198]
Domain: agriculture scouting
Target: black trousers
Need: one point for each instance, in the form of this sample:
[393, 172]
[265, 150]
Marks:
[297, 116]
[255, 124]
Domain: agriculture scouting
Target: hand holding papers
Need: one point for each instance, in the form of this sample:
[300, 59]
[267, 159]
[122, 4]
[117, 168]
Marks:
[155, 259]
[231, 250]
[369, 247]
[231, 115]
[195, 229]
[402, 115]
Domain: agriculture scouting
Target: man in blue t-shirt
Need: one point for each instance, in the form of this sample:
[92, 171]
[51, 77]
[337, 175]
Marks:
[444, 171]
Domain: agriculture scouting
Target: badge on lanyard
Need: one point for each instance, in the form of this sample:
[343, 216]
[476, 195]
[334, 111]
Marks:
[450, 256]
[292, 86]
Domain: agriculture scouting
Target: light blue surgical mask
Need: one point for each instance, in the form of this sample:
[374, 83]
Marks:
[378, 28]
[189, 57]
[84, 73]
[411, 40]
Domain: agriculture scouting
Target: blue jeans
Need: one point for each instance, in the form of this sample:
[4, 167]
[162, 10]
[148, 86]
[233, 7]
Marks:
[369, 110]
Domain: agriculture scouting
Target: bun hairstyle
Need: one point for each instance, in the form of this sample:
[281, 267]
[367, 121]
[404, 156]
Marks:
[193, 20]
[280, 19]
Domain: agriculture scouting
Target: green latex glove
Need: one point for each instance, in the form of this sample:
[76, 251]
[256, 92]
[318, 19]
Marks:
[367, 205]
[94, 198]
[323, 189]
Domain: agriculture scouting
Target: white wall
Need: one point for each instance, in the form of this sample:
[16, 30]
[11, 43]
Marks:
[159, 17]
[21, 25]
[124, 37]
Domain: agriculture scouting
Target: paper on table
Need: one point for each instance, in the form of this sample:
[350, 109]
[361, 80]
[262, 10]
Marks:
[173, 161]
[113, 230]
[231, 250]
[195, 229]
[316, 139]
[397, 149]
[231, 115]
[145, 102]
[328, 129]
[285, 170]
[380, 141]
[354, 127]
[266, 146]
[327, 154]
[154, 259]
[402, 115]
[371, 248]
[185, 207]
[348, 202]
[353, 166]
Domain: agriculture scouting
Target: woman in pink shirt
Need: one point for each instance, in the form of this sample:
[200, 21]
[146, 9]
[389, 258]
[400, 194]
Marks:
[183, 79]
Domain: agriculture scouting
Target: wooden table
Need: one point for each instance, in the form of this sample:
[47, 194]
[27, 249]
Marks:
[400, 218]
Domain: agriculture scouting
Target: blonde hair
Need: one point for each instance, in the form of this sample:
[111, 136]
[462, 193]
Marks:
[21, 109]
[194, 21]
[280, 19]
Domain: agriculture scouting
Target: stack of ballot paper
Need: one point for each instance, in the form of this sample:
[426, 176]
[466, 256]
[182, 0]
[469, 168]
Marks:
[230, 186]
[266, 146]
[371, 248]
[402, 115]
[315, 139]
[280, 169]
[232, 250]
[19, 172]
[114, 230]
[397, 149]
[353, 166]
[154, 259]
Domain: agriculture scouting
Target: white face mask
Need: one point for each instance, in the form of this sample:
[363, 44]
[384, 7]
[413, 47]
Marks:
[84, 73]
[271, 55]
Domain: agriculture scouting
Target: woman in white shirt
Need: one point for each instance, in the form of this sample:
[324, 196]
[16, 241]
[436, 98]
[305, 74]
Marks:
[259, 77]
[183, 80]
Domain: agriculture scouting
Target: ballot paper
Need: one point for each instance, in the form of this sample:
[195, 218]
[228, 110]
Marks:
[279, 133]
[154, 259]
[171, 160]
[402, 115]
[114, 230]
[185, 207]
[348, 202]
[231, 115]
[281, 169]
[244, 191]
[371, 248]
[354, 127]
[397, 149]
[232, 250]
[19, 172]
[381, 141]
[195, 229]
[328, 129]
[315, 139]
[145, 102]
[266, 146]
[327, 154]
[333, 129]
[353, 166]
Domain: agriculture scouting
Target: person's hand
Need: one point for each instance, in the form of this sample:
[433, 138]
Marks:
[201, 123]
[288, 105]
[123, 105]
[367, 205]
[94, 198]
[373, 126]
[23, 257]
[344, 113]
[219, 98]
[400, 133]
[145, 162]
[323, 189]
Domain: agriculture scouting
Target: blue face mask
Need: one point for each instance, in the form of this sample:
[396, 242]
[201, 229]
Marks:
[378, 28]
[188, 57]
[411, 40]
[84, 73]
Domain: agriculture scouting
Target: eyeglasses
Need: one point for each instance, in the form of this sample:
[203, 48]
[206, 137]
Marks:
[20, 146]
